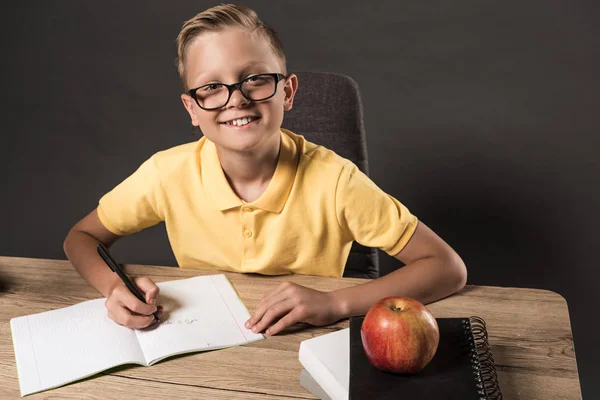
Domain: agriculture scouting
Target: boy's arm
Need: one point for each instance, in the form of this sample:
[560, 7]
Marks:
[123, 307]
[80, 247]
[433, 271]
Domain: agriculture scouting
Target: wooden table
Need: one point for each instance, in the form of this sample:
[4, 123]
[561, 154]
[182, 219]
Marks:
[529, 332]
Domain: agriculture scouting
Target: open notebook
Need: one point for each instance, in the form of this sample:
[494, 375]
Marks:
[61, 346]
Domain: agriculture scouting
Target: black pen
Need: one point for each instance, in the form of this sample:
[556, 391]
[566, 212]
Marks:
[103, 251]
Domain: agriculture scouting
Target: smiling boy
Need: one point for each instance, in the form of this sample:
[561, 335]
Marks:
[252, 197]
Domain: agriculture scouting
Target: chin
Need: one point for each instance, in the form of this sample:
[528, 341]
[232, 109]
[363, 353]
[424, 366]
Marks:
[242, 146]
[242, 140]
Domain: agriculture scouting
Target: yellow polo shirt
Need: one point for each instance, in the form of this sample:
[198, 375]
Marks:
[316, 204]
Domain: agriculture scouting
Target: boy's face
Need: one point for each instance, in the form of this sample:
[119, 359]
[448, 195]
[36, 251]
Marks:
[229, 56]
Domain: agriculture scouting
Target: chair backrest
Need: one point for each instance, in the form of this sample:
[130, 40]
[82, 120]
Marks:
[328, 111]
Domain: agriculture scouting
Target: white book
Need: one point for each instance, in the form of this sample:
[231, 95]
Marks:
[57, 347]
[309, 383]
[326, 360]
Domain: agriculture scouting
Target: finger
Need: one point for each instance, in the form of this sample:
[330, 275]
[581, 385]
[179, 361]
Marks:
[269, 299]
[149, 288]
[124, 297]
[123, 316]
[271, 313]
[277, 291]
[263, 307]
[288, 320]
[110, 305]
[118, 313]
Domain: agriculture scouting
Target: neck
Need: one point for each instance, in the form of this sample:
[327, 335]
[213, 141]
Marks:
[250, 172]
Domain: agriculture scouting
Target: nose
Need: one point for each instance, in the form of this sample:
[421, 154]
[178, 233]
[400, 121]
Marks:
[237, 99]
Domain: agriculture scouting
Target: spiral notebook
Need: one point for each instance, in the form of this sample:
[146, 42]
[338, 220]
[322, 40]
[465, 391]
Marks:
[462, 368]
[336, 367]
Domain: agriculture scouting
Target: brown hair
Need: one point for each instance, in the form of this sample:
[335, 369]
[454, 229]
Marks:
[217, 18]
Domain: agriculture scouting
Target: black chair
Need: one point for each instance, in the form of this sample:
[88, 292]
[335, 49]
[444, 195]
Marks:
[328, 111]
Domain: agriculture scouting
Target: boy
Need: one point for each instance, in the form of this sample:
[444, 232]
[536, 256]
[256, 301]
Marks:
[252, 197]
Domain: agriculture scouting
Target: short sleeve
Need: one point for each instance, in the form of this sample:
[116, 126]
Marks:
[135, 203]
[370, 216]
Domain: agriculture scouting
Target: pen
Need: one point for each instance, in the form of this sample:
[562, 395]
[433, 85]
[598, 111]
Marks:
[103, 251]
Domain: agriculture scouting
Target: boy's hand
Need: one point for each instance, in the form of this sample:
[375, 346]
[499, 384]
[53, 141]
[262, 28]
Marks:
[293, 303]
[127, 310]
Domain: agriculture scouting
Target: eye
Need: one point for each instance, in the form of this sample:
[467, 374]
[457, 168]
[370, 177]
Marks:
[211, 87]
[258, 80]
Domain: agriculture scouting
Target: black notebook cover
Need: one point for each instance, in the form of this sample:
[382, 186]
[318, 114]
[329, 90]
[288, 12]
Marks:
[462, 368]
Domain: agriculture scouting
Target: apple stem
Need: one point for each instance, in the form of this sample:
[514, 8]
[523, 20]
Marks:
[396, 309]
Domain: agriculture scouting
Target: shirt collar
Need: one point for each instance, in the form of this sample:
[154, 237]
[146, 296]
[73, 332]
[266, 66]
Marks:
[277, 192]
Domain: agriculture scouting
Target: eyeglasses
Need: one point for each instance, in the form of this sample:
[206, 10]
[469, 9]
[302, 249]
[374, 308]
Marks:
[254, 88]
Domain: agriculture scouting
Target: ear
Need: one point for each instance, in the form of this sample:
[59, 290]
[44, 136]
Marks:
[190, 106]
[291, 85]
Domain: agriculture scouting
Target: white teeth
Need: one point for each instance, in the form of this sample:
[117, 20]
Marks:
[241, 121]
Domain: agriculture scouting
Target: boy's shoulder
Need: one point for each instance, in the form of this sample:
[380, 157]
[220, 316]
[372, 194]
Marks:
[180, 151]
[317, 154]
[174, 157]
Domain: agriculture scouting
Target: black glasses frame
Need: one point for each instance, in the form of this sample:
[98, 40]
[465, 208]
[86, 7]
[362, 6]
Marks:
[231, 88]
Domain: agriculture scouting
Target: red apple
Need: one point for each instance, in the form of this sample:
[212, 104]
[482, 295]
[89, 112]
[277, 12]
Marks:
[399, 335]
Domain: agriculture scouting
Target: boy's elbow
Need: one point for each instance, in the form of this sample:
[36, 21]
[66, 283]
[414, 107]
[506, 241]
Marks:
[459, 271]
[66, 242]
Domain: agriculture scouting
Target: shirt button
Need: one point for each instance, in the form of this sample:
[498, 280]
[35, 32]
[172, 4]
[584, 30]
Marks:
[247, 209]
[248, 233]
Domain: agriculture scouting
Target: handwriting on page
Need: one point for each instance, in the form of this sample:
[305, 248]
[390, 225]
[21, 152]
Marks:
[181, 321]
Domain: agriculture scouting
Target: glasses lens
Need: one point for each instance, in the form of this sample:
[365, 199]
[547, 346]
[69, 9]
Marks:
[212, 95]
[259, 87]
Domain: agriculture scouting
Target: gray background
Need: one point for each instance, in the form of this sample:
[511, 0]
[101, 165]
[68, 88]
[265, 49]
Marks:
[481, 117]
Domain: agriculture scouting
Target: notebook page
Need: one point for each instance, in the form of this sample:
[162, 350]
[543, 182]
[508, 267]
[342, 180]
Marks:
[57, 347]
[201, 313]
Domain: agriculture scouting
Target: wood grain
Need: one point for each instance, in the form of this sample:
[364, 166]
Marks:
[529, 333]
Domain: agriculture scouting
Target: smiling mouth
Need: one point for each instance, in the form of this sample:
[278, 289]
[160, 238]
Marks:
[240, 122]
